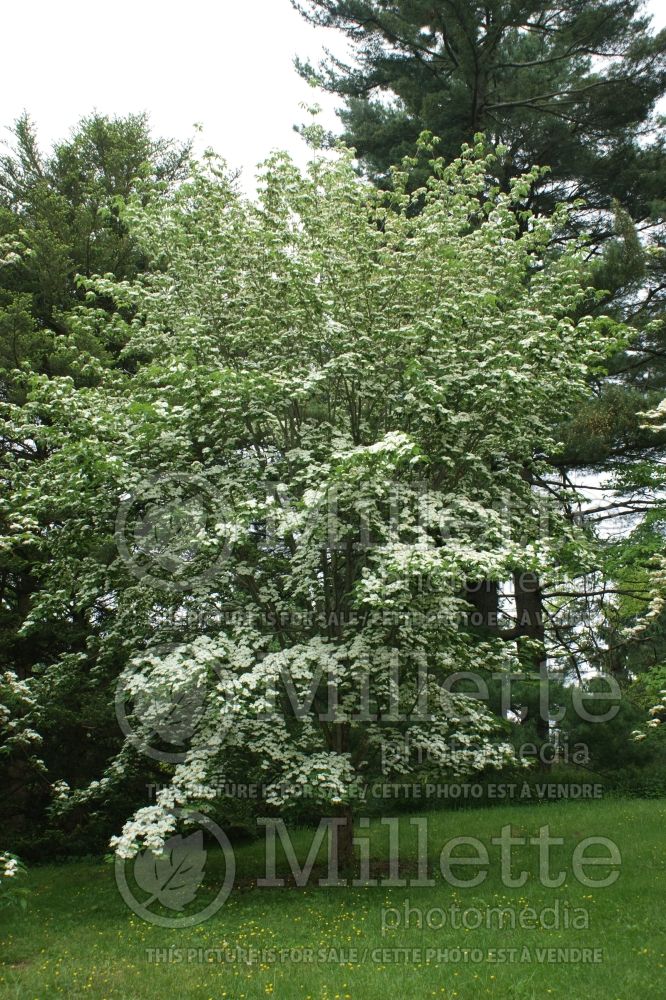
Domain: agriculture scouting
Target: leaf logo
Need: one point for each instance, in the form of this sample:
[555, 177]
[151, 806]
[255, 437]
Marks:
[176, 719]
[173, 877]
[166, 530]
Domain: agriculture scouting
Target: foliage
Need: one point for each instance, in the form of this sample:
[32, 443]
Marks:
[301, 369]
[60, 219]
[572, 85]
[12, 870]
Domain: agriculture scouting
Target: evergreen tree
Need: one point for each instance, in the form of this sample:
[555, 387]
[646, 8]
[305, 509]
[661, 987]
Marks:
[60, 221]
[570, 85]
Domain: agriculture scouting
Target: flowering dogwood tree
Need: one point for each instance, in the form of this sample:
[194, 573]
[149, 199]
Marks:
[330, 400]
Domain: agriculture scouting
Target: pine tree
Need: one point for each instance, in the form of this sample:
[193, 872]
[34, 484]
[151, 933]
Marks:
[570, 85]
[60, 220]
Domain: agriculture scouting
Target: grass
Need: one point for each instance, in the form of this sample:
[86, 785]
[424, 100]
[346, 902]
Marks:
[78, 938]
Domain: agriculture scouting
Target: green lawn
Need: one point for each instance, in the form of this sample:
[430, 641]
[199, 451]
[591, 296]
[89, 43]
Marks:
[78, 939]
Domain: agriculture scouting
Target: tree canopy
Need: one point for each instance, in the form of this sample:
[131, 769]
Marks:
[324, 427]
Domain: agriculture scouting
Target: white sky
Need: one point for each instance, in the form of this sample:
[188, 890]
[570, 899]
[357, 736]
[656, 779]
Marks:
[227, 65]
[224, 63]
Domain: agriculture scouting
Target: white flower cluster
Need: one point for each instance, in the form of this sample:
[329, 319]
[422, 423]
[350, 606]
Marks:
[658, 713]
[17, 702]
[61, 790]
[9, 865]
[150, 827]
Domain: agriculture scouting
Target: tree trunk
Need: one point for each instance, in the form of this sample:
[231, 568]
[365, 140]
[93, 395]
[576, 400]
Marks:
[530, 620]
[342, 846]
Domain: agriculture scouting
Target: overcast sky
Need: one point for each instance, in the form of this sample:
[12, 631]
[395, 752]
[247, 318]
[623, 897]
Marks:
[227, 65]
